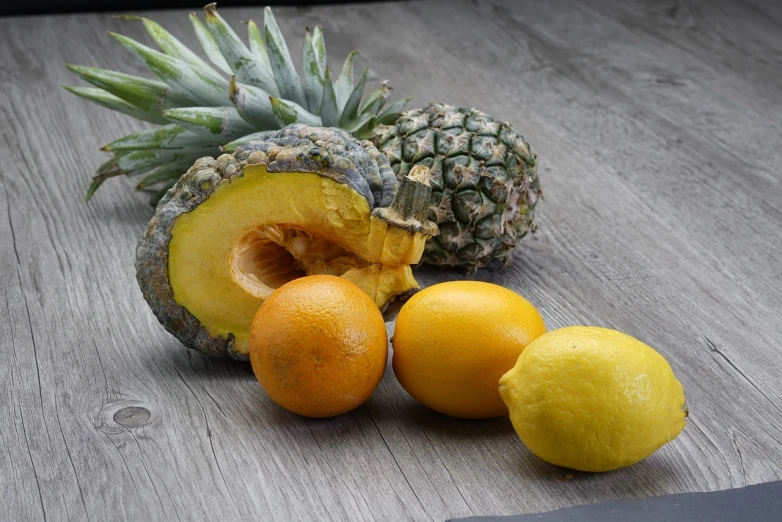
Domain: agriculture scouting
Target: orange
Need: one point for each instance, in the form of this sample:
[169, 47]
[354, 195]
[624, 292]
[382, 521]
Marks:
[453, 341]
[318, 346]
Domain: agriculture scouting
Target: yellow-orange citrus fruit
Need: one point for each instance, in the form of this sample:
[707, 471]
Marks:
[318, 346]
[453, 341]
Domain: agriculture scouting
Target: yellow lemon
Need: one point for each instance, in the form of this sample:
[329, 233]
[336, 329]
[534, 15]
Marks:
[593, 399]
[453, 341]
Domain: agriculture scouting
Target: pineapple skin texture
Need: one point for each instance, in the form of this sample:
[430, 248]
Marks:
[297, 150]
[484, 181]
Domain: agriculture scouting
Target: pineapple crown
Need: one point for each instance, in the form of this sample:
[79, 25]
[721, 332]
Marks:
[203, 112]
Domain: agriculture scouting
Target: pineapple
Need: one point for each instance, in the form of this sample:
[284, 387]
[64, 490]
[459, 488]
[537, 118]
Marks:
[483, 173]
[302, 201]
[484, 178]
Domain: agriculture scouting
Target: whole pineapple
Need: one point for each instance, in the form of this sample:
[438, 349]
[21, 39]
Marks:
[484, 178]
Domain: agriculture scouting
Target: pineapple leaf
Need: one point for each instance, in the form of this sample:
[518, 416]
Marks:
[313, 75]
[210, 121]
[288, 112]
[141, 161]
[376, 99]
[194, 83]
[170, 45]
[391, 114]
[362, 120]
[148, 95]
[98, 180]
[375, 108]
[113, 167]
[232, 145]
[110, 101]
[266, 93]
[281, 61]
[107, 165]
[329, 112]
[258, 44]
[350, 113]
[365, 130]
[162, 173]
[319, 46]
[253, 105]
[209, 45]
[344, 84]
[166, 137]
[94, 186]
[243, 63]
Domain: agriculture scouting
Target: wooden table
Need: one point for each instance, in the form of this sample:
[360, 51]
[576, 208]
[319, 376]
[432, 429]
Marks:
[659, 128]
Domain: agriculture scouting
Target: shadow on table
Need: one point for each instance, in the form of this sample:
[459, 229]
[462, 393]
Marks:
[392, 421]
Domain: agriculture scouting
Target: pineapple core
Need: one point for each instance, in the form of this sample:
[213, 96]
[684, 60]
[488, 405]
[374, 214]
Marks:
[260, 230]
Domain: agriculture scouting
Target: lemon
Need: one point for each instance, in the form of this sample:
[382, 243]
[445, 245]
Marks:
[593, 399]
[453, 341]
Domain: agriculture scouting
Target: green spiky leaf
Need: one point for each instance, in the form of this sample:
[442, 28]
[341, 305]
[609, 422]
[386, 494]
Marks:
[364, 131]
[92, 188]
[170, 45]
[375, 100]
[258, 44]
[281, 61]
[110, 101]
[97, 180]
[362, 120]
[166, 137]
[344, 85]
[140, 162]
[350, 112]
[288, 113]
[313, 75]
[391, 114]
[197, 85]
[319, 46]
[211, 121]
[266, 93]
[240, 59]
[252, 104]
[148, 95]
[329, 112]
[172, 171]
[209, 45]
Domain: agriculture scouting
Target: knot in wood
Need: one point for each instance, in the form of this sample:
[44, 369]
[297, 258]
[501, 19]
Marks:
[131, 416]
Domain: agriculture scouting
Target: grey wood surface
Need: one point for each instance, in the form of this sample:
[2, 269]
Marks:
[659, 128]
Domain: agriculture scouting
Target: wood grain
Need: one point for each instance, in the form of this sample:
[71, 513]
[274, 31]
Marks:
[658, 125]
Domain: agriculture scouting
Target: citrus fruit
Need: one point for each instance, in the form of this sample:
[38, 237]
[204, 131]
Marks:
[453, 341]
[318, 346]
[593, 399]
